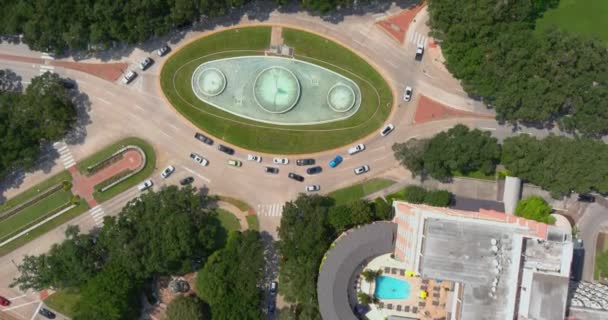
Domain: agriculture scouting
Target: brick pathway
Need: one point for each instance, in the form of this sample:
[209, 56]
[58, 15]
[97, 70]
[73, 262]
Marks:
[396, 26]
[430, 110]
[84, 186]
[107, 71]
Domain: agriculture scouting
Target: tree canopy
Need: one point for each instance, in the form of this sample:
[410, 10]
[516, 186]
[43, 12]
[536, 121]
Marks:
[535, 208]
[187, 308]
[529, 77]
[43, 113]
[229, 280]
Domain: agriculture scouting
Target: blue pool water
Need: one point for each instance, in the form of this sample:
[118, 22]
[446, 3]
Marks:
[391, 288]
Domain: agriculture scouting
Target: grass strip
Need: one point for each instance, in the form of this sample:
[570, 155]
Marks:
[35, 190]
[242, 205]
[252, 222]
[358, 191]
[64, 301]
[228, 220]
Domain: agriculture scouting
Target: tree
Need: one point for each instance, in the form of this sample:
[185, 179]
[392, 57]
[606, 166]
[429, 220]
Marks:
[370, 275]
[382, 209]
[187, 308]
[414, 194]
[339, 218]
[361, 212]
[438, 198]
[364, 298]
[9, 81]
[535, 208]
[410, 155]
[229, 279]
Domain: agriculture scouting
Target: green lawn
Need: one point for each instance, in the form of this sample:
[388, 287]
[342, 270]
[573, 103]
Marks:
[358, 191]
[588, 18]
[375, 106]
[33, 191]
[64, 301]
[253, 223]
[67, 216]
[130, 182]
[228, 220]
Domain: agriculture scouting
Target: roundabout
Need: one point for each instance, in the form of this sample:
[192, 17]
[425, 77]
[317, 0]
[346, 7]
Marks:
[323, 97]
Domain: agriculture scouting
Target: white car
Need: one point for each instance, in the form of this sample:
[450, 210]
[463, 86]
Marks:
[407, 94]
[145, 63]
[253, 157]
[387, 129]
[356, 149]
[197, 158]
[280, 160]
[313, 188]
[145, 185]
[167, 172]
[129, 76]
[361, 169]
[419, 52]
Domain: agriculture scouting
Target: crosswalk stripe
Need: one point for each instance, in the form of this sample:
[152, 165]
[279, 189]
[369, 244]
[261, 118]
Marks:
[66, 156]
[63, 148]
[69, 163]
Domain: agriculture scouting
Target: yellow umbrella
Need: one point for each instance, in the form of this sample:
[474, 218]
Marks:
[423, 294]
[409, 273]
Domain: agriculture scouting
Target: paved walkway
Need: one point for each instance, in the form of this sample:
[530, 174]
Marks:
[240, 215]
[84, 186]
[431, 110]
[396, 26]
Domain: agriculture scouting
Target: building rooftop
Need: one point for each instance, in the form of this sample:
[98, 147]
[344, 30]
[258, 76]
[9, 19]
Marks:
[549, 296]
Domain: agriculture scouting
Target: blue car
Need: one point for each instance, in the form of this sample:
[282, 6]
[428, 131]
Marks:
[335, 162]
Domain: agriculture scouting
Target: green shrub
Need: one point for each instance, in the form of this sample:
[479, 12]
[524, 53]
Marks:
[66, 185]
[75, 200]
[438, 198]
[535, 208]
[414, 194]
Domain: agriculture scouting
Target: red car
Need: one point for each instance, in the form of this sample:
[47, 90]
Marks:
[4, 301]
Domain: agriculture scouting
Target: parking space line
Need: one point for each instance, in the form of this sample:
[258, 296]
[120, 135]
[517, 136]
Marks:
[36, 312]
[20, 305]
[197, 174]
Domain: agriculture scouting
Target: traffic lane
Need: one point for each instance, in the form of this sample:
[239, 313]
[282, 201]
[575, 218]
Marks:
[591, 223]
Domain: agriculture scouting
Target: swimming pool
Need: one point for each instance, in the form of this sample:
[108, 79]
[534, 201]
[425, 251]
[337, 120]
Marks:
[391, 288]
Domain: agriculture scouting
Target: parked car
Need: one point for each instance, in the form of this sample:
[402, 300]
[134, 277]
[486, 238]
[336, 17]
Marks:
[313, 188]
[387, 129]
[314, 170]
[356, 149]
[203, 138]
[4, 301]
[407, 94]
[145, 63]
[167, 172]
[186, 181]
[271, 306]
[272, 170]
[46, 313]
[361, 169]
[295, 176]
[163, 50]
[225, 149]
[253, 157]
[197, 158]
[145, 185]
[235, 163]
[280, 160]
[419, 52]
[129, 76]
[273, 287]
[305, 162]
[585, 197]
[335, 161]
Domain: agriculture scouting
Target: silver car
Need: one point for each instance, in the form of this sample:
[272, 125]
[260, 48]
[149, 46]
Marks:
[361, 170]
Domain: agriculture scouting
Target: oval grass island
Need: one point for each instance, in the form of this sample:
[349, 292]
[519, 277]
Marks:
[376, 98]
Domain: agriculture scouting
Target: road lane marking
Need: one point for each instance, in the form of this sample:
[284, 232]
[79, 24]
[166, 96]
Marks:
[110, 93]
[104, 100]
[197, 174]
[161, 131]
[139, 107]
[174, 127]
[379, 148]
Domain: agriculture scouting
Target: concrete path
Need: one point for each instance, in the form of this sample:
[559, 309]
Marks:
[240, 215]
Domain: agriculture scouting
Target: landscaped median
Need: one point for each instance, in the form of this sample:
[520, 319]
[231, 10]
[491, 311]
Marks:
[360, 190]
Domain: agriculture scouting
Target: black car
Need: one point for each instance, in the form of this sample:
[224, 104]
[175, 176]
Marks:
[305, 162]
[226, 150]
[46, 313]
[585, 197]
[68, 84]
[314, 170]
[272, 170]
[271, 306]
[203, 138]
[296, 177]
[186, 181]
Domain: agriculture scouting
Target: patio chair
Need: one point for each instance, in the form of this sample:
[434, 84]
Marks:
[394, 271]
[436, 303]
[381, 304]
[435, 295]
[406, 309]
[436, 288]
[415, 310]
[387, 270]
[425, 281]
[389, 306]
[423, 287]
[402, 272]
[422, 304]
[398, 307]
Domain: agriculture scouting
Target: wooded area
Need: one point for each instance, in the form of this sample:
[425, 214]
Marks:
[531, 78]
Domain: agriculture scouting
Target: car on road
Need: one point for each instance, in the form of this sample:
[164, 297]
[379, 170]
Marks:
[271, 306]
[203, 138]
[280, 160]
[585, 197]
[273, 287]
[295, 176]
[145, 63]
[163, 50]
[225, 149]
[46, 313]
[419, 52]
[235, 163]
[362, 169]
[335, 161]
[186, 181]
[129, 76]
[314, 170]
[167, 172]
[407, 94]
[387, 129]
[305, 162]
[4, 301]
[68, 83]
[198, 158]
[253, 157]
[313, 188]
[145, 185]
[272, 170]
[356, 149]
